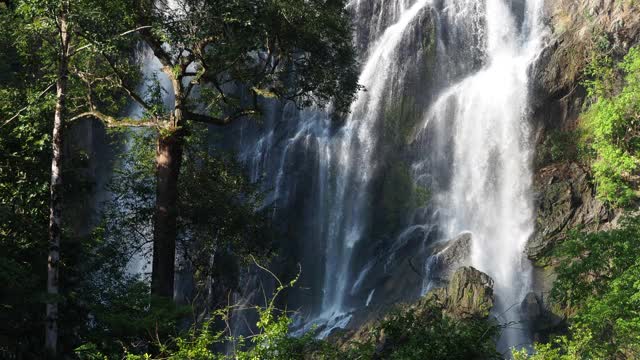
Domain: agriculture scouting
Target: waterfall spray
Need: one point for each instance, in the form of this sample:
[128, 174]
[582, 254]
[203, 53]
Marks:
[489, 193]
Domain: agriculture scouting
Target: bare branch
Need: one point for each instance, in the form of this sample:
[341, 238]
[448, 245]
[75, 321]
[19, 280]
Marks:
[112, 122]
[207, 119]
[75, 51]
[128, 89]
[158, 50]
[71, 54]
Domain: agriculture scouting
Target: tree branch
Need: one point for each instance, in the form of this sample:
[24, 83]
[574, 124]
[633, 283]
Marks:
[130, 91]
[112, 122]
[75, 51]
[71, 54]
[27, 107]
[158, 50]
[212, 120]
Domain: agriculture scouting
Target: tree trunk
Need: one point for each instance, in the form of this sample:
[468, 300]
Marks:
[55, 207]
[168, 162]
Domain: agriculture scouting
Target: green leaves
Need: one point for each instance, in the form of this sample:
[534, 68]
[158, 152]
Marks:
[613, 126]
[598, 282]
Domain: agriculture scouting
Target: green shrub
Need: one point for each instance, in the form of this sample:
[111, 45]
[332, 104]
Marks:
[613, 125]
[599, 282]
[418, 333]
[562, 146]
[427, 333]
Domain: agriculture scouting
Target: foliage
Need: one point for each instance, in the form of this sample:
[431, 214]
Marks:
[242, 51]
[218, 206]
[613, 125]
[590, 261]
[220, 214]
[29, 58]
[414, 333]
[598, 281]
[313, 37]
[24, 184]
[563, 146]
[427, 333]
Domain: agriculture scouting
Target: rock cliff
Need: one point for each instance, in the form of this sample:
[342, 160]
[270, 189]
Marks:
[565, 196]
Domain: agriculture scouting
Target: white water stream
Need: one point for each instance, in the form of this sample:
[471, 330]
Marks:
[355, 165]
[490, 191]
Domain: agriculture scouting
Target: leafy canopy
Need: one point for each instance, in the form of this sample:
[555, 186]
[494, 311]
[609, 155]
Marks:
[297, 50]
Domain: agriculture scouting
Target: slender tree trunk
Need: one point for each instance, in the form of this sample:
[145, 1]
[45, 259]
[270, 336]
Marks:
[55, 209]
[168, 163]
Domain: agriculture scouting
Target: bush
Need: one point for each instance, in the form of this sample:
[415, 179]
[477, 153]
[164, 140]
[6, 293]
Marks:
[598, 281]
[422, 332]
[562, 146]
[613, 125]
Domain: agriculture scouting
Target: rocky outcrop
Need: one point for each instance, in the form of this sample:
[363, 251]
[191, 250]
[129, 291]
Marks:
[450, 255]
[565, 200]
[469, 294]
[541, 317]
[564, 194]
[577, 28]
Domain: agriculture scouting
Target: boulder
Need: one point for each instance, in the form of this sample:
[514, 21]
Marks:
[449, 256]
[531, 307]
[469, 294]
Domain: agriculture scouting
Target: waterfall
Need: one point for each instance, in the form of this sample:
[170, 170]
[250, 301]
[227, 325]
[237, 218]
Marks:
[489, 192]
[464, 65]
[354, 146]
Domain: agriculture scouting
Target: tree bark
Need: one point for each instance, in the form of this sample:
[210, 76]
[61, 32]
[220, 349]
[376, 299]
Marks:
[168, 162]
[55, 207]
[165, 232]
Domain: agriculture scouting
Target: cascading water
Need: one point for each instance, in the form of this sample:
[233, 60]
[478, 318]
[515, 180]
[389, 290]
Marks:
[355, 166]
[489, 193]
[338, 196]
[464, 65]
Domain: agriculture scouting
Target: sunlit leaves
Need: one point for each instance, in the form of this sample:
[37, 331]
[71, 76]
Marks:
[598, 283]
[613, 125]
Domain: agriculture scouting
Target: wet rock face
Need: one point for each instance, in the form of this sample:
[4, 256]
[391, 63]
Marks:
[449, 256]
[531, 307]
[565, 196]
[565, 200]
[468, 295]
[541, 317]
